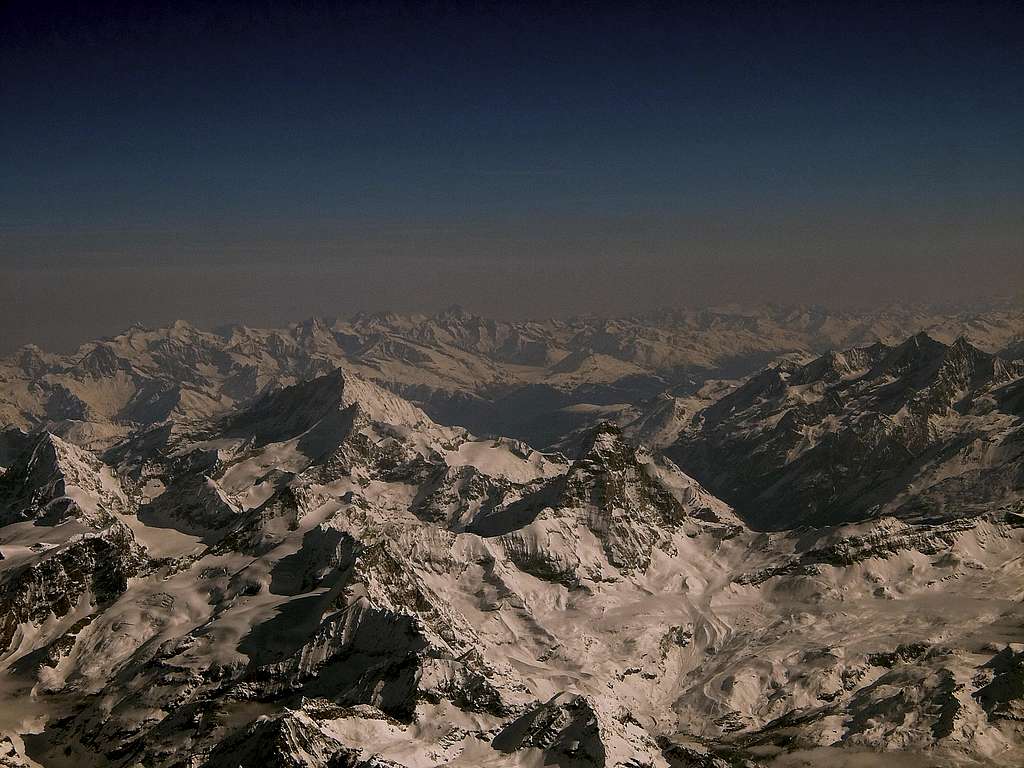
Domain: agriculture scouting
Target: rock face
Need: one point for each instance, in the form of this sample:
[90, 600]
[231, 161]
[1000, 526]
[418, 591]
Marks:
[95, 567]
[572, 731]
[613, 494]
[921, 430]
[325, 576]
[289, 740]
[53, 479]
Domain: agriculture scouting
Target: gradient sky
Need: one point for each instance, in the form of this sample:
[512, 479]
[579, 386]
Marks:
[262, 163]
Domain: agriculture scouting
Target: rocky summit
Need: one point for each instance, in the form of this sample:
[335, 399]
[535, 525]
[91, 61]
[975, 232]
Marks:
[773, 538]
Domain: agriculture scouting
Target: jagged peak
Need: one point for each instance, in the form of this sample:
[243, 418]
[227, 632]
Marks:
[834, 365]
[962, 351]
[603, 441]
[604, 452]
[920, 357]
[918, 353]
[963, 346]
[288, 412]
[921, 342]
[102, 361]
[51, 452]
[46, 470]
[612, 472]
[315, 325]
[289, 738]
[766, 383]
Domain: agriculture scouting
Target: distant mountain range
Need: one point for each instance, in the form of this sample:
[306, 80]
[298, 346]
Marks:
[712, 539]
[530, 380]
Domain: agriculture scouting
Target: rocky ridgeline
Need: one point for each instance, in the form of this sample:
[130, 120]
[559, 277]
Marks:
[846, 436]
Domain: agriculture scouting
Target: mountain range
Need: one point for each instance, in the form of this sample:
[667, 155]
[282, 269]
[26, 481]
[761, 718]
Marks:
[530, 380]
[772, 537]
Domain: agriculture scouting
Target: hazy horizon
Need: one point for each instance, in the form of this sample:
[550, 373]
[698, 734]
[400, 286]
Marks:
[267, 162]
[68, 339]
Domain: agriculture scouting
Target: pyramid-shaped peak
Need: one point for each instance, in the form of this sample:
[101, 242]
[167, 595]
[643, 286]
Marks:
[918, 352]
[45, 471]
[604, 441]
[962, 349]
[50, 450]
[921, 344]
[52, 457]
[288, 412]
[102, 361]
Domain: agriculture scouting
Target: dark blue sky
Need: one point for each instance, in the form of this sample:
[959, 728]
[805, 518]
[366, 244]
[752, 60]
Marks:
[165, 161]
